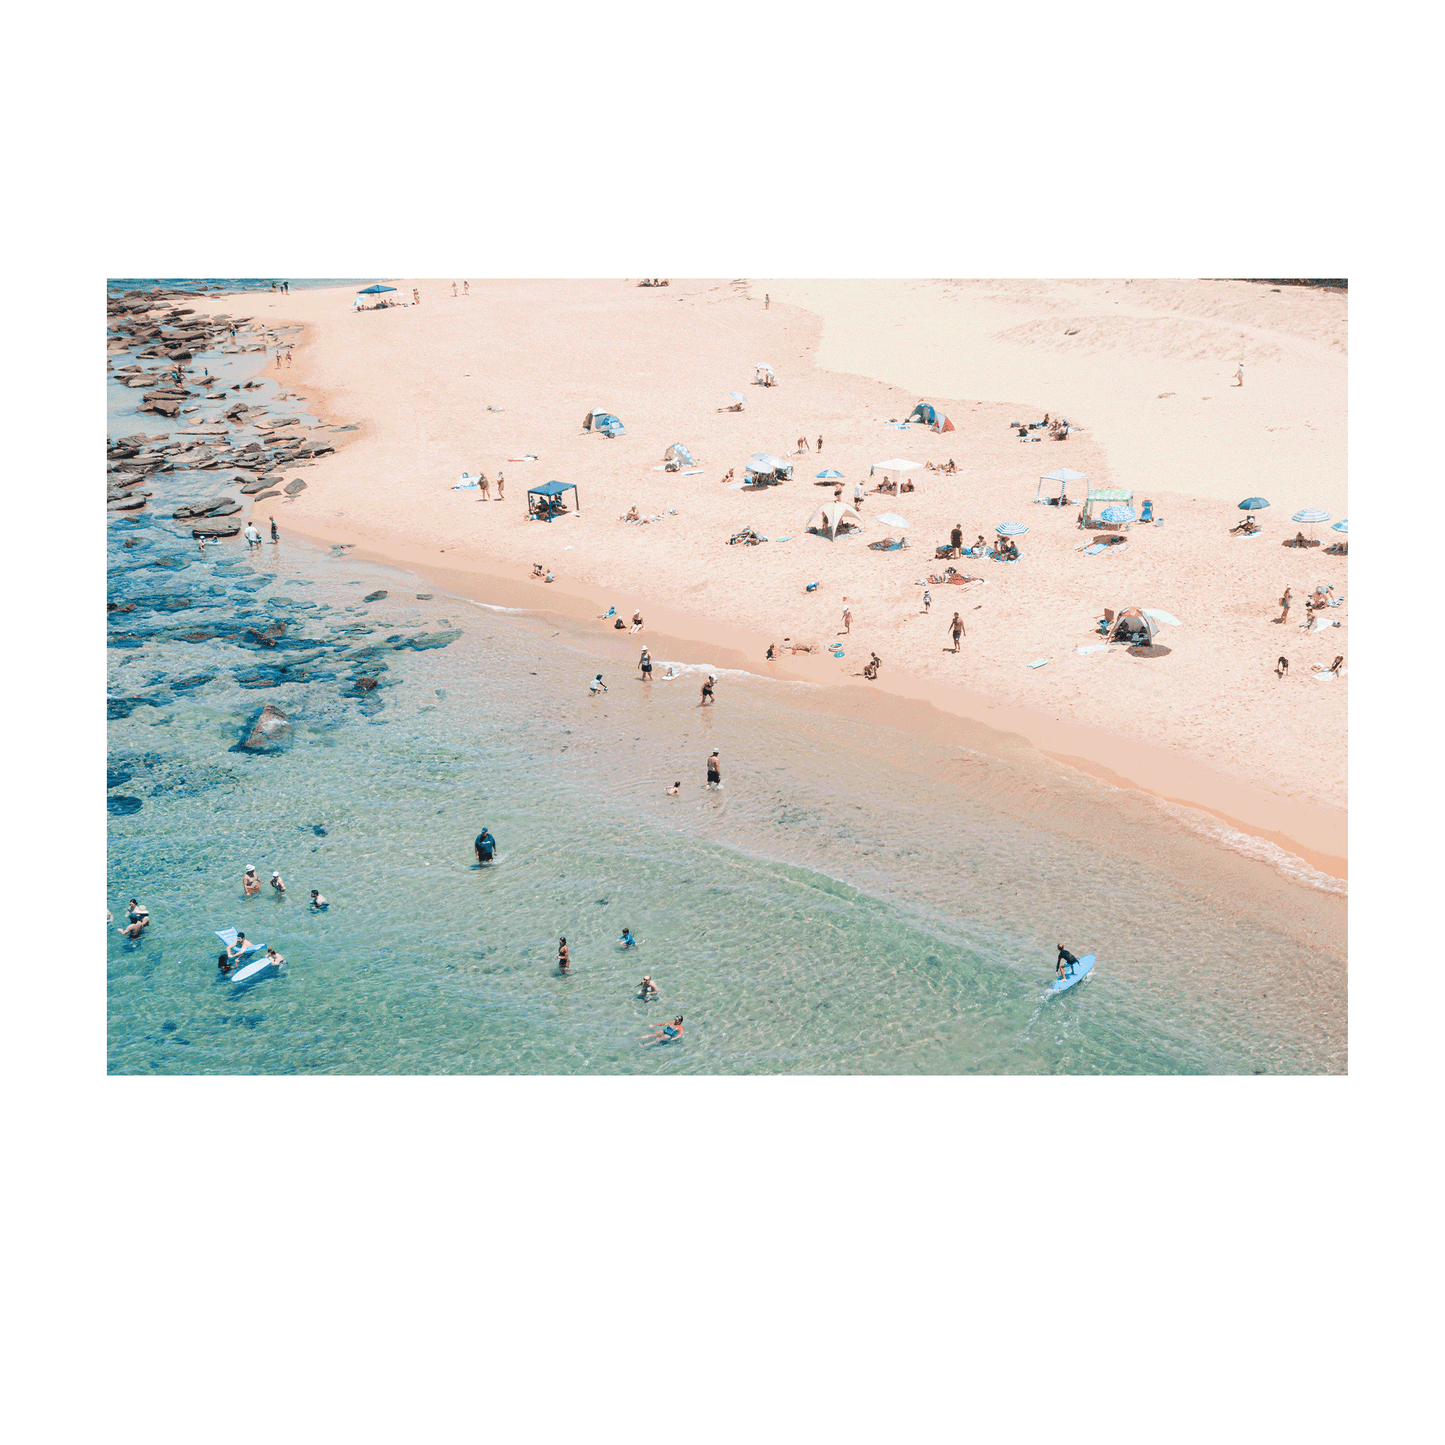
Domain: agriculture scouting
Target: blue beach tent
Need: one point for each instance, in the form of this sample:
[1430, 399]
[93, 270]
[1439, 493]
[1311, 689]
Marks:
[678, 453]
[604, 422]
[548, 502]
[930, 416]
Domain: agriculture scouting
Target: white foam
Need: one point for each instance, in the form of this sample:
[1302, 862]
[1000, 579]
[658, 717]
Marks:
[1292, 867]
[492, 606]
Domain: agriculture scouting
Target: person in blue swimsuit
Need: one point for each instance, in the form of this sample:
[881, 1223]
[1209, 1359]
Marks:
[627, 940]
[1066, 962]
[666, 1034]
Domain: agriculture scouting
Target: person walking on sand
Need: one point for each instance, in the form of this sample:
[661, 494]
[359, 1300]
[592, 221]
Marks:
[466, 288]
[803, 444]
[1239, 375]
[927, 601]
[707, 697]
[957, 628]
[288, 358]
[415, 297]
[767, 300]
[500, 480]
[1284, 604]
[645, 664]
[858, 494]
[485, 488]
[819, 447]
[847, 619]
[714, 770]
[454, 289]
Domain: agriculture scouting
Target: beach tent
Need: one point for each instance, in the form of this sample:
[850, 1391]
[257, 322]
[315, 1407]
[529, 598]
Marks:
[896, 469]
[1063, 477]
[548, 493]
[931, 417]
[1133, 626]
[604, 422]
[764, 464]
[678, 453]
[832, 516]
[763, 373]
[1100, 498]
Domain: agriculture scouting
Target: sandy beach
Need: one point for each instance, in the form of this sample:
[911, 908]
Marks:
[1143, 369]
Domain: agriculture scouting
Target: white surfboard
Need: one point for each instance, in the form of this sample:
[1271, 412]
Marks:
[252, 969]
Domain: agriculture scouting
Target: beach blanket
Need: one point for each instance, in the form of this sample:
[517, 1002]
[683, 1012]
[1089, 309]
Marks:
[1040, 663]
[530, 457]
[467, 481]
[1094, 647]
[1095, 549]
[782, 539]
[1249, 534]
[1329, 676]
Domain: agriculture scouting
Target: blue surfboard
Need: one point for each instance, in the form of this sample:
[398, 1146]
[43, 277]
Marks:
[1080, 969]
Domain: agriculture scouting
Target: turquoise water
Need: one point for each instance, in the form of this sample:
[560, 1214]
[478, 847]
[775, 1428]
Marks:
[855, 900]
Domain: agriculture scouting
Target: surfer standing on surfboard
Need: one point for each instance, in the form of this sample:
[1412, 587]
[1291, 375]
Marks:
[1066, 962]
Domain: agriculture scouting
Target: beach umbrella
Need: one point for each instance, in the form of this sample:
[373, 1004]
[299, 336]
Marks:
[1161, 616]
[1117, 514]
[1010, 529]
[1311, 515]
[891, 519]
[830, 476]
[374, 290]
[1252, 504]
[1343, 526]
[737, 396]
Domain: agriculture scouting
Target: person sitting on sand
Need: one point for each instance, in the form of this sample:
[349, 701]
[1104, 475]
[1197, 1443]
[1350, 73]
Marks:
[537, 569]
[631, 515]
[249, 882]
[675, 789]
[905, 486]
[636, 622]
[1321, 596]
[1281, 667]
[1334, 667]
[979, 546]
[666, 1034]
[647, 989]
[547, 577]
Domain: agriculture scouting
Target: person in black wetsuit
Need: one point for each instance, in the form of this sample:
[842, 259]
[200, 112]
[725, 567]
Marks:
[1066, 962]
[485, 845]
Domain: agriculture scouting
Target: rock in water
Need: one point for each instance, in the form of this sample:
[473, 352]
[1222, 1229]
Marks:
[270, 730]
[374, 596]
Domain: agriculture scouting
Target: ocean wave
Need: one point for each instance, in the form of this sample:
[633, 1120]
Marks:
[1260, 849]
[492, 606]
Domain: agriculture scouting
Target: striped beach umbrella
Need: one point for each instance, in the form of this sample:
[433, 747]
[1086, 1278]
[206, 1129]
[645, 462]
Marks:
[1343, 526]
[1311, 515]
[829, 475]
[1118, 515]
[1252, 504]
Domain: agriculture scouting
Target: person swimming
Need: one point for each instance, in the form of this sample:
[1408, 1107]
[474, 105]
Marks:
[234, 952]
[274, 959]
[1066, 962]
[675, 789]
[627, 940]
[666, 1034]
[317, 901]
[647, 989]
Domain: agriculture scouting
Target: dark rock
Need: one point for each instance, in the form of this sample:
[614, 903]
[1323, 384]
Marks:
[261, 496]
[424, 596]
[120, 805]
[114, 777]
[216, 529]
[374, 596]
[270, 730]
[364, 684]
[216, 507]
[130, 503]
[254, 486]
[189, 684]
[291, 488]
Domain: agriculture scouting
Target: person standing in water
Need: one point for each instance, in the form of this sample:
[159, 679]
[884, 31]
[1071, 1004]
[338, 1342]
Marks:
[485, 846]
[275, 534]
[707, 696]
[317, 901]
[645, 663]
[627, 940]
[278, 886]
[564, 959]
[647, 989]
[249, 882]
[714, 771]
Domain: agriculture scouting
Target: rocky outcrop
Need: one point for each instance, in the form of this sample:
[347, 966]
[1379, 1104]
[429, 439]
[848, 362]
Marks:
[375, 596]
[270, 731]
[291, 488]
[216, 507]
[216, 529]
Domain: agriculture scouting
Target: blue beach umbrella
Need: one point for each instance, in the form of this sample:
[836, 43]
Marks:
[374, 290]
[830, 475]
[1343, 526]
[1252, 504]
[1118, 514]
[1311, 515]
[1010, 529]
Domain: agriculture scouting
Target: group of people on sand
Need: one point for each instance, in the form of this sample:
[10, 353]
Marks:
[539, 571]
[484, 487]
[948, 468]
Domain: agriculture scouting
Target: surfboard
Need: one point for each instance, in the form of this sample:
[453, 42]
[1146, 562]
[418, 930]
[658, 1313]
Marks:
[251, 969]
[1081, 969]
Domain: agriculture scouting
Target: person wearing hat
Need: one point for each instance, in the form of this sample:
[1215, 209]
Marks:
[596, 685]
[485, 846]
[249, 882]
[277, 886]
[714, 771]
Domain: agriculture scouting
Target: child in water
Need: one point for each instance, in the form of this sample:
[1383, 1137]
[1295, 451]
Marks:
[627, 940]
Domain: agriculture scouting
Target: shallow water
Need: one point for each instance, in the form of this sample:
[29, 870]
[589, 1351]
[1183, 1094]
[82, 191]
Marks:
[855, 899]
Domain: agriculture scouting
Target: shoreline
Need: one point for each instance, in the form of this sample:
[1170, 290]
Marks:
[1313, 833]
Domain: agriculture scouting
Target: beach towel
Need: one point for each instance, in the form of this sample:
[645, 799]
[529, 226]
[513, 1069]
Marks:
[1095, 549]
[1328, 676]
[530, 457]
[782, 539]
[466, 482]
[1040, 663]
[1095, 647]
[693, 472]
[1249, 534]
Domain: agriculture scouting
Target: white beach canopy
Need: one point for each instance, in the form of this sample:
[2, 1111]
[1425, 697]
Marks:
[1063, 477]
[831, 516]
[896, 467]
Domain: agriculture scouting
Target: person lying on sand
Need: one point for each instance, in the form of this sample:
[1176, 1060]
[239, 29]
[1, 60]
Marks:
[1248, 525]
[736, 406]
[1334, 667]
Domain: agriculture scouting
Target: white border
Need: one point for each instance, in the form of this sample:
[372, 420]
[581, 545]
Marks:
[84, 1096]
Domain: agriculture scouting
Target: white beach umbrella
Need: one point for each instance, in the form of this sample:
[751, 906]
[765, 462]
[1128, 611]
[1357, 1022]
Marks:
[898, 464]
[891, 519]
